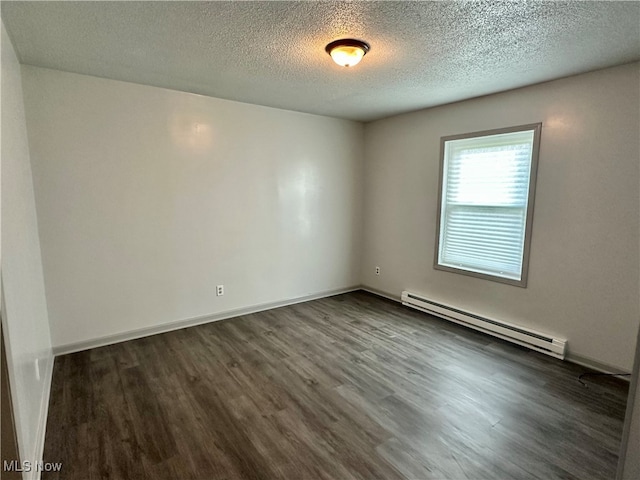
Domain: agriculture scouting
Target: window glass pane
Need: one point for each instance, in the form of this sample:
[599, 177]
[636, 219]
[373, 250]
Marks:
[487, 240]
[490, 176]
[485, 193]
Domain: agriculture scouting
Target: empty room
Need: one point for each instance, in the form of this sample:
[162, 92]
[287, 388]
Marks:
[320, 240]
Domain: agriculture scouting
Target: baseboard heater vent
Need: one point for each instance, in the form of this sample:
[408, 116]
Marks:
[540, 342]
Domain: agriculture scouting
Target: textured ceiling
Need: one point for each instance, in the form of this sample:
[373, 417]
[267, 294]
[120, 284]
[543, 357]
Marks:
[272, 53]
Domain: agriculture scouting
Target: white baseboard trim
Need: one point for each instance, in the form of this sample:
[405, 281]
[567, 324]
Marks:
[592, 364]
[190, 322]
[380, 293]
[587, 362]
[38, 454]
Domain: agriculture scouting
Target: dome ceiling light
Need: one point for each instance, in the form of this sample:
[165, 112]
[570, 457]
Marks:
[347, 52]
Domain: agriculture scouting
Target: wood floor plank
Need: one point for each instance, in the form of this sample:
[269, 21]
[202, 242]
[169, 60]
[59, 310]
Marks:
[351, 387]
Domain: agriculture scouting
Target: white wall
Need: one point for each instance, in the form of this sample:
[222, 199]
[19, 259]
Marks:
[584, 264]
[25, 323]
[148, 198]
[629, 461]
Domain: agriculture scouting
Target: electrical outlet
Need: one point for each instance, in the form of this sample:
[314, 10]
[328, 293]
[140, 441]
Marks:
[220, 290]
[377, 270]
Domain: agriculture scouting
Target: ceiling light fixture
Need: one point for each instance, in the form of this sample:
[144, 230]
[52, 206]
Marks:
[347, 52]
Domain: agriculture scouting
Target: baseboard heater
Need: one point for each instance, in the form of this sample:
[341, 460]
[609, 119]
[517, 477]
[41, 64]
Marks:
[540, 342]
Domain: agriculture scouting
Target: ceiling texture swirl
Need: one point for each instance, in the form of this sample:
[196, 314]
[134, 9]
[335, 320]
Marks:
[272, 53]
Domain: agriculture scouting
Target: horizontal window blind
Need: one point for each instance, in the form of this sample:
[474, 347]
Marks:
[485, 191]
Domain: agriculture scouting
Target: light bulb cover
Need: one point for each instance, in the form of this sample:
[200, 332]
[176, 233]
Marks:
[347, 52]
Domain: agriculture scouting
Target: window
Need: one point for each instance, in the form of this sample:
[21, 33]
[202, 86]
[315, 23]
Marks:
[487, 186]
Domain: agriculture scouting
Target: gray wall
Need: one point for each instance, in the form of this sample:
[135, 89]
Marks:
[584, 263]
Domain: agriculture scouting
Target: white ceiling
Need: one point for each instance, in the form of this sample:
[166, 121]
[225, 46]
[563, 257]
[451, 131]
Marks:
[272, 53]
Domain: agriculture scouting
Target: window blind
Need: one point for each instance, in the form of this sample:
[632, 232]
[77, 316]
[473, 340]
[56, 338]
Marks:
[484, 203]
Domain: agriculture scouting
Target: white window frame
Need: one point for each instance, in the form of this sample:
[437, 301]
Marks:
[536, 128]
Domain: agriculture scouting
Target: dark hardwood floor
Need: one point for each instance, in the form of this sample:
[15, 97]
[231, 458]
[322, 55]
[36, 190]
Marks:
[348, 387]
